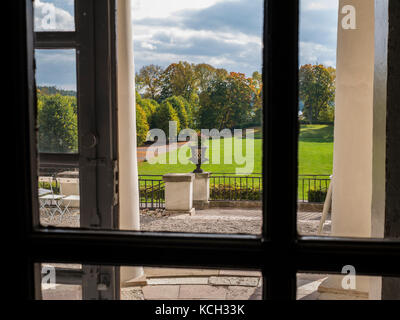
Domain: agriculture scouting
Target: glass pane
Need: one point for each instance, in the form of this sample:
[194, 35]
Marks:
[59, 197]
[198, 64]
[317, 75]
[68, 281]
[343, 178]
[54, 15]
[346, 286]
[57, 101]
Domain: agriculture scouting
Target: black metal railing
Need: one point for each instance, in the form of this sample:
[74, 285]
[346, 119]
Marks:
[223, 186]
[313, 188]
[151, 192]
[230, 186]
[233, 187]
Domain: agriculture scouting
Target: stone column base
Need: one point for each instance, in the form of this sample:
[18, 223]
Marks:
[201, 204]
[179, 212]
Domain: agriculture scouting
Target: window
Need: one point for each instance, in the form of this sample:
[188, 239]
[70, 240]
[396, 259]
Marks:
[279, 241]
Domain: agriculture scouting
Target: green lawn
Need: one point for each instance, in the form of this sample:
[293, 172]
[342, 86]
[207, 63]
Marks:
[315, 154]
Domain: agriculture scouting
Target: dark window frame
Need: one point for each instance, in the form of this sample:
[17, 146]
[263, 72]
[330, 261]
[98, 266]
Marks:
[279, 252]
[96, 99]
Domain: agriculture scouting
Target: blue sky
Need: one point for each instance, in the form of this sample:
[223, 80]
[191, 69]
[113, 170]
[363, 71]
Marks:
[224, 33]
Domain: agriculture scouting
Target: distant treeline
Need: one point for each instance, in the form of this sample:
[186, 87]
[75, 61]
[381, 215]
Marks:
[54, 90]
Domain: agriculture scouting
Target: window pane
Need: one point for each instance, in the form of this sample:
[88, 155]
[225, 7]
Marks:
[54, 15]
[198, 64]
[317, 50]
[346, 286]
[57, 101]
[59, 194]
[66, 281]
[59, 197]
[343, 113]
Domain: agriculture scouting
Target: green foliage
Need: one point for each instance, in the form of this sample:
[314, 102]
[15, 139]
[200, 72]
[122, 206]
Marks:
[316, 195]
[58, 123]
[156, 192]
[317, 92]
[232, 192]
[54, 186]
[163, 114]
[228, 103]
[149, 80]
[142, 126]
[327, 115]
[179, 79]
[180, 104]
[50, 90]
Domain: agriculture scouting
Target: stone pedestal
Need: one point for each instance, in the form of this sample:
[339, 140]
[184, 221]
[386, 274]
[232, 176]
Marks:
[179, 193]
[201, 190]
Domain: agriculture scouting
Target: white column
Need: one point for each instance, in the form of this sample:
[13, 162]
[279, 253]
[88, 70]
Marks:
[352, 163]
[128, 172]
[358, 201]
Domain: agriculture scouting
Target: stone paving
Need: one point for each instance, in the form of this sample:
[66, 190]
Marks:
[186, 284]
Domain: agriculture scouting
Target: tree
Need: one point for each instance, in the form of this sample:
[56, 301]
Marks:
[142, 126]
[165, 113]
[58, 124]
[317, 91]
[180, 104]
[148, 79]
[204, 74]
[179, 79]
[228, 103]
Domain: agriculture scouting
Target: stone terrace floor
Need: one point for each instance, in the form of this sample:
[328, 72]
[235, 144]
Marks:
[186, 284]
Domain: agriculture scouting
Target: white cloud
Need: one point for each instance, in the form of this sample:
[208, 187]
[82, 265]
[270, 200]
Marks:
[319, 4]
[163, 8]
[48, 17]
[163, 35]
[312, 53]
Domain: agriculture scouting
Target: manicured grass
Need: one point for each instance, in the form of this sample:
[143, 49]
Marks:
[316, 149]
[218, 147]
[315, 154]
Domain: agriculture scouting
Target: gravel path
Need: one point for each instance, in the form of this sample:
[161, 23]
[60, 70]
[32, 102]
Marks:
[237, 221]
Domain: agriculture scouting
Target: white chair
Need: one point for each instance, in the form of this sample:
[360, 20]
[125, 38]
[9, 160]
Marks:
[48, 198]
[69, 187]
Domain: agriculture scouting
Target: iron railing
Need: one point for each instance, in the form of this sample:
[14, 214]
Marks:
[313, 188]
[226, 187]
[230, 186]
[233, 187]
[151, 192]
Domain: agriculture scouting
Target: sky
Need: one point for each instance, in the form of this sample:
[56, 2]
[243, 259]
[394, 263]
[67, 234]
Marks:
[224, 33]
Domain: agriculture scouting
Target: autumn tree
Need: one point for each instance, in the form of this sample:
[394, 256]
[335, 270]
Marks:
[178, 79]
[317, 91]
[142, 126]
[149, 80]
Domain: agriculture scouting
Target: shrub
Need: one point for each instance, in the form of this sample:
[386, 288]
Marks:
[54, 186]
[142, 126]
[149, 194]
[317, 195]
[232, 192]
